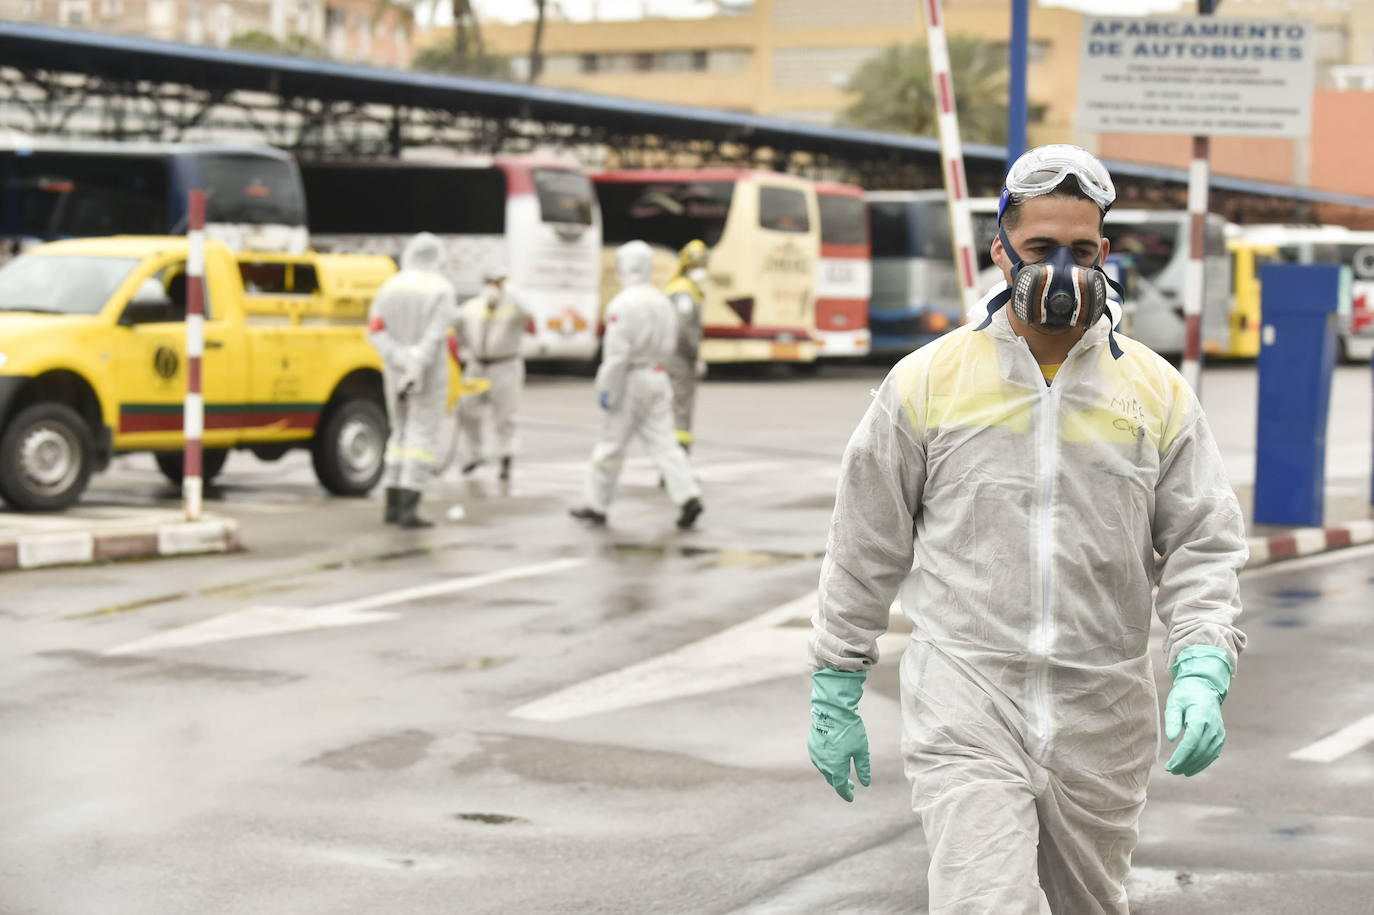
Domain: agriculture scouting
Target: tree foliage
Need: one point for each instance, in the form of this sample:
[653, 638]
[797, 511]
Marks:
[295, 45]
[894, 91]
[445, 58]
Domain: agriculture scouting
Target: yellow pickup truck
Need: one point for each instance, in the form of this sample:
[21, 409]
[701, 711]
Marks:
[93, 363]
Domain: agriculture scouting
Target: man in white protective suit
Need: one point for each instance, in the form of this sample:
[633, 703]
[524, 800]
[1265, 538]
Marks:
[633, 390]
[1031, 466]
[490, 330]
[408, 323]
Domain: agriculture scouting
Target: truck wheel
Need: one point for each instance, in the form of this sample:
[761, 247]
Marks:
[171, 464]
[46, 458]
[349, 447]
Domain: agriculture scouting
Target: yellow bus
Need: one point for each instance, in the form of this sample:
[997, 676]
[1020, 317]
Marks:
[1243, 324]
[763, 229]
[1260, 244]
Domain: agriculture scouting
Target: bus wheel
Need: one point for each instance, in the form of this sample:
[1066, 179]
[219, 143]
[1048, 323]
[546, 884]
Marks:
[46, 458]
[171, 463]
[349, 447]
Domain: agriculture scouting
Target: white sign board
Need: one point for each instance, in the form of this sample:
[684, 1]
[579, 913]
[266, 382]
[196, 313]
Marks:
[1203, 76]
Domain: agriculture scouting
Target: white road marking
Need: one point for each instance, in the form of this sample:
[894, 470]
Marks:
[754, 651]
[750, 652]
[260, 621]
[1347, 740]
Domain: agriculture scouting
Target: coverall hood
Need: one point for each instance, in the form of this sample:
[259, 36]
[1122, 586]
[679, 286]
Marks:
[634, 263]
[423, 252]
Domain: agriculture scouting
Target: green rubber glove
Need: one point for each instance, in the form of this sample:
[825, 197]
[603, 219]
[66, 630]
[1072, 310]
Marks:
[1202, 675]
[837, 731]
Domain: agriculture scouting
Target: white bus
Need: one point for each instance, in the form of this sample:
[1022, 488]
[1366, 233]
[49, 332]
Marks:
[844, 281]
[50, 190]
[1152, 247]
[536, 218]
[763, 229]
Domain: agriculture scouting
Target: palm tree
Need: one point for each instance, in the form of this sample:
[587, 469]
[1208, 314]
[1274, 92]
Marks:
[536, 45]
[894, 90]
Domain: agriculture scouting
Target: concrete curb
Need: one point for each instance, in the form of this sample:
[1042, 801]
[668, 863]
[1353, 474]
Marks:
[1305, 541]
[211, 535]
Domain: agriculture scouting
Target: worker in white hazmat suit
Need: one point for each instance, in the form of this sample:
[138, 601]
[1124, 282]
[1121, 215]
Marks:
[490, 330]
[686, 290]
[408, 323]
[1032, 466]
[633, 390]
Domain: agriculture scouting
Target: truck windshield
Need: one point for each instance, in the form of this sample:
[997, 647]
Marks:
[61, 284]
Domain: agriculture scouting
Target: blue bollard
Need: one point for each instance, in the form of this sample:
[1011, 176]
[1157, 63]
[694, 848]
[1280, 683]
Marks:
[1296, 360]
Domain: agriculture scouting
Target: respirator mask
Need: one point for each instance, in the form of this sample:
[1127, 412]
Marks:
[1057, 291]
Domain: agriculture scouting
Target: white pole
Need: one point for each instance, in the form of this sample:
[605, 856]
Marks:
[193, 411]
[1195, 277]
[952, 155]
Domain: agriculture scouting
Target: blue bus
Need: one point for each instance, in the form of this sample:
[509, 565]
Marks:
[916, 295]
[51, 190]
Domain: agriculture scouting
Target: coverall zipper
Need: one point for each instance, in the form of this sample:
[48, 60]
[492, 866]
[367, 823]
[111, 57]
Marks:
[1042, 639]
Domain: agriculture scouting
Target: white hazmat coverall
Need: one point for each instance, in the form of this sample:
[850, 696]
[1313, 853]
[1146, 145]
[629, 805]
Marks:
[407, 324]
[641, 330]
[490, 332]
[1033, 513]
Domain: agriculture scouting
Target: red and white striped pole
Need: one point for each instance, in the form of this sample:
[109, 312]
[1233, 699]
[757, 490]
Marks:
[952, 155]
[1195, 278]
[193, 412]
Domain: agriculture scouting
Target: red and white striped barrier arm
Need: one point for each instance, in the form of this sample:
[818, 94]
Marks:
[952, 155]
[1195, 279]
[193, 411]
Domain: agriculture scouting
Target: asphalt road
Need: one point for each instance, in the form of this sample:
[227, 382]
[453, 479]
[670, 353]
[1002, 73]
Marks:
[512, 713]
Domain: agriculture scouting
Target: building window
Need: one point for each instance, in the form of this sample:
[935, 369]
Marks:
[563, 65]
[31, 9]
[726, 61]
[160, 13]
[222, 22]
[1333, 44]
[111, 9]
[590, 63]
[74, 12]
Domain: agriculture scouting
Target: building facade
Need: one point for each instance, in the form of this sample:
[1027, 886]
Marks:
[373, 32]
[784, 58]
[792, 59]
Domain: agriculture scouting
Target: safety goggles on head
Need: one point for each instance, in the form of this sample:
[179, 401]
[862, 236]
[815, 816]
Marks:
[1039, 171]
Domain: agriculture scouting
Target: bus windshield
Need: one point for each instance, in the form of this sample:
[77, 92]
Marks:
[907, 229]
[664, 213]
[843, 220]
[60, 284]
[1151, 245]
[564, 196]
[56, 195]
[783, 209]
[251, 189]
